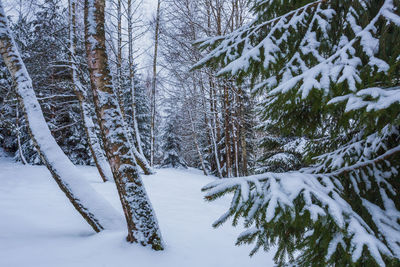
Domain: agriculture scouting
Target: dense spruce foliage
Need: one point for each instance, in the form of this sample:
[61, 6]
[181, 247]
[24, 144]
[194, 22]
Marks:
[328, 72]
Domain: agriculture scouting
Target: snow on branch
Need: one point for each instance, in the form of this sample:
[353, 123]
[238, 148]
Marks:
[308, 67]
[227, 46]
[268, 197]
[316, 195]
[372, 99]
[342, 65]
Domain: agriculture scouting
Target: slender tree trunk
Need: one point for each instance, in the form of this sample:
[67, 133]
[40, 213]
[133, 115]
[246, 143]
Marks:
[141, 220]
[141, 160]
[212, 139]
[137, 144]
[139, 156]
[119, 59]
[21, 155]
[228, 160]
[203, 166]
[136, 133]
[242, 134]
[154, 84]
[94, 209]
[214, 129]
[235, 142]
[97, 152]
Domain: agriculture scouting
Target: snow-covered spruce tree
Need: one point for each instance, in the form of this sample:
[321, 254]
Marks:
[171, 142]
[327, 70]
[94, 209]
[139, 214]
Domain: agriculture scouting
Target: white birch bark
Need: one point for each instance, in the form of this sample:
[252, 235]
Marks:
[94, 209]
[97, 152]
[139, 214]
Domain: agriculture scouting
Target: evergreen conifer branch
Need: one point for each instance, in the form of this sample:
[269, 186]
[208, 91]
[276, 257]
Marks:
[327, 71]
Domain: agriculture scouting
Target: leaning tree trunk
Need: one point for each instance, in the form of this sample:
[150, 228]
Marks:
[94, 209]
[141, 220]
[97, 152]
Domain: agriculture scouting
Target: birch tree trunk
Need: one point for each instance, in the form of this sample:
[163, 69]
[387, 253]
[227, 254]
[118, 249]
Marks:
[97, 152]
[154, 84]
[141, 220]
[141, 159]
[94, 209]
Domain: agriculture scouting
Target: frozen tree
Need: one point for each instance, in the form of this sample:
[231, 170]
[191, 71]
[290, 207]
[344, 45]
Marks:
[171, 142]
[218, 124]
[120, 13]
[139, 214]
[139, 102]
[138, 97]
[327, 71]
[97, 212]
[90, 128]
[42, 38]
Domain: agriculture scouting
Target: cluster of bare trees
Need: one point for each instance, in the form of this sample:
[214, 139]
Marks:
[210, 117]
[216, 128]
[120, 145]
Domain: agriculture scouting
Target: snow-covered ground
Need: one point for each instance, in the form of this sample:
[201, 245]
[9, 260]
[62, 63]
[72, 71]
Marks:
[39, 227]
